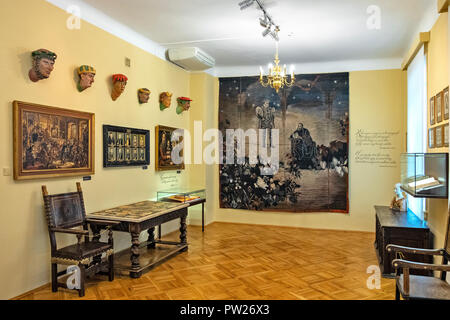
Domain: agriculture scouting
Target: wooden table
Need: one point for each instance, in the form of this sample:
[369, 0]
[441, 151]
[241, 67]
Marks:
[191, 203]
[137, 217]
[400, 228]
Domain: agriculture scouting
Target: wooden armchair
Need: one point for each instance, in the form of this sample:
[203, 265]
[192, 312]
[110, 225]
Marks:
[64, 213]
[412, 287]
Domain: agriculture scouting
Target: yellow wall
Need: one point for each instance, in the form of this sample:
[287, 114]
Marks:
[377, 103]
[203, 88]
[24, 243]
[438, 80]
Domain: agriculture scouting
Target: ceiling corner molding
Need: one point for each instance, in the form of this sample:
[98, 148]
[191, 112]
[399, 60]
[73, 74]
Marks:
[112, 26]
[315, 67]
[423, 38]
[443, 6]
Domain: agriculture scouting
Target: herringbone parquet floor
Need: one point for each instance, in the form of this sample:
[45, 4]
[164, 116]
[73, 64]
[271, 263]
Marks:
[250, 262]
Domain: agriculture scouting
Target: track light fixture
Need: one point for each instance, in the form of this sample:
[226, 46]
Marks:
[266, 21]
[274, 34]
[266, 31]
[246, 4]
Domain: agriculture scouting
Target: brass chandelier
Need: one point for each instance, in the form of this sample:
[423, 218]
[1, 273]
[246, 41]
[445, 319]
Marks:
[277, 77]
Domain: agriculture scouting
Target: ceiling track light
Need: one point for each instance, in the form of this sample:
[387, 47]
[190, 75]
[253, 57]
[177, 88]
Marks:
[266, 31]
[274, 33]
[246, 4]
[275, 36]
[265, 21]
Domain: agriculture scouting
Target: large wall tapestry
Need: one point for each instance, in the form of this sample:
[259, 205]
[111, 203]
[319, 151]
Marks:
[312, 117]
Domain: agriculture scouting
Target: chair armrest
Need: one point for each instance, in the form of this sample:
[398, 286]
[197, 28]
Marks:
[430, 252]
[398, 263]
[102, 222]
[71, 231]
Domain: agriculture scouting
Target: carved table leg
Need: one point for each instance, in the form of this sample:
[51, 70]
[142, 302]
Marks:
[151, 238]
[203, 217]
[135, 265]
[183, 233]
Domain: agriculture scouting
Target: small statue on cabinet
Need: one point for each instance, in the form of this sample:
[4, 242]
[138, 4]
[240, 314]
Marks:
[87, 75]
[399, 202]
[119, 84]
[143, 95]
[183, 104]
[165, 99]
[43, 64]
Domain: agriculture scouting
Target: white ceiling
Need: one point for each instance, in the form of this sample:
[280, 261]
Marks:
[312, 31]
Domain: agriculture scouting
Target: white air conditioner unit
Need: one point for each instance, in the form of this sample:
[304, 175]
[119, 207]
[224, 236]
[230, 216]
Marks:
[191, 58]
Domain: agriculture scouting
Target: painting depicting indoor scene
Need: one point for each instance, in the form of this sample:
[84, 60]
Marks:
[54, 142]
[168, 139]
[312, 119]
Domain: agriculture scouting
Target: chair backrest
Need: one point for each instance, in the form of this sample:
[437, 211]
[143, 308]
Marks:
[64, 210]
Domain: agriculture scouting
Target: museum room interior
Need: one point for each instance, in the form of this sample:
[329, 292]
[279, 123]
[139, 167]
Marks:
[224, 150]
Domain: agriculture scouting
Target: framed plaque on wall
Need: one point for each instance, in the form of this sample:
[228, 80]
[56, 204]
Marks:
[124, 147]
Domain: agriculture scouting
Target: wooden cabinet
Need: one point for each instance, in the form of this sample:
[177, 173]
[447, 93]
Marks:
[400, 228]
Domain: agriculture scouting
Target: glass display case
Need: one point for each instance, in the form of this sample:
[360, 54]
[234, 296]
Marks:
[192, 196]
[182, 195]
[424, 175]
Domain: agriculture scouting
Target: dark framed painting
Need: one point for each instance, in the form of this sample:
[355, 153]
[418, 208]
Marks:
[431, 138]
[445, 133]
[432, 111]
[125, 147]
[167, 139]
[51, 142]
[446, 105]
[439, 106]
[439, 135]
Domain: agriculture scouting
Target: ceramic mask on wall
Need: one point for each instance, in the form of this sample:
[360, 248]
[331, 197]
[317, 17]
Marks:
[87, 75]
[143, 95]
[119, 84]
[43, 64]
[165, 99]
[183, 104]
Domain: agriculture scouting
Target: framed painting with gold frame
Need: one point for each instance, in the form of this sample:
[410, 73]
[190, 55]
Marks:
[446, 104]
[168, 141]
[432, 111]
[431, 138]
[439, 142]
[52, 142]
[439, 107]
[445, 133]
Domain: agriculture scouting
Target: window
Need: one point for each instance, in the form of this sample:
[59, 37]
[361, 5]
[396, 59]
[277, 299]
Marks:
[417, 117]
